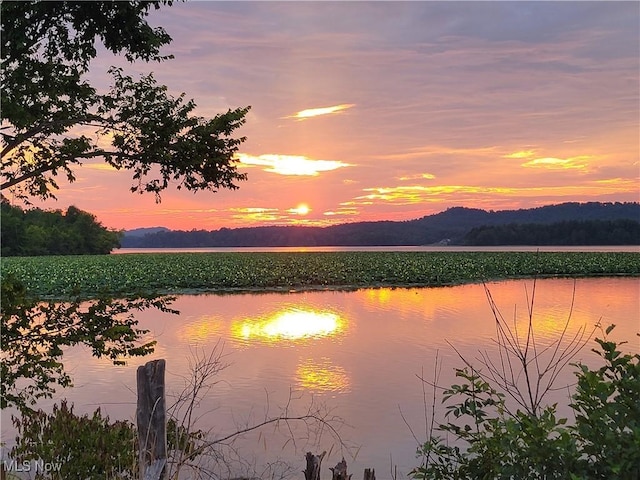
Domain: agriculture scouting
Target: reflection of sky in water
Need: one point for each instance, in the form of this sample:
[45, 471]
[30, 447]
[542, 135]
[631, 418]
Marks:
[200, 330]
[359, 351]
[290, 324]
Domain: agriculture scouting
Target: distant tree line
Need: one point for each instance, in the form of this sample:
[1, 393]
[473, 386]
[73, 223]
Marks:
[42, 232]
[369, 233]
[448, 227]
[587, 232]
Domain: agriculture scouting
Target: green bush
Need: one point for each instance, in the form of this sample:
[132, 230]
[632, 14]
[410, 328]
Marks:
[607, 406]
[90, 446]
[82, 446]
[493, 442]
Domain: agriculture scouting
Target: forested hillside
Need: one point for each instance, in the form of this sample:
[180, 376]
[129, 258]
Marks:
[448, 227]
[40, 232]
[585, 232]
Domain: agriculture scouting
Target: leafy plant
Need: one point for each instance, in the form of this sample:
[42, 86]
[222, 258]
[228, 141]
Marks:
[86, 446]
[607, 406]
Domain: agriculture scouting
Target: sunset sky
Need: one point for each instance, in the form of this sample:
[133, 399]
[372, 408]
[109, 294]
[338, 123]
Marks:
[392, 110]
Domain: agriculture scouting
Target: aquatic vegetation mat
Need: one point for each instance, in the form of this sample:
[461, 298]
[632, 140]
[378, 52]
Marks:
[91, 275]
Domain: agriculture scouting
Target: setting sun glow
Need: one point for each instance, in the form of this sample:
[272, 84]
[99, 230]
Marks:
[302, 209]
[340, 131]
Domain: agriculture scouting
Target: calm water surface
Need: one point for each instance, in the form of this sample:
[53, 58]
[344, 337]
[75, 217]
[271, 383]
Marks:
[357, 353]
[407, 248]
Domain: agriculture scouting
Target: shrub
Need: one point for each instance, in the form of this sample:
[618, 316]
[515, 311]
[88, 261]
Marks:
[493, 442]
[607, 406]
[89, 446]
[82, 446]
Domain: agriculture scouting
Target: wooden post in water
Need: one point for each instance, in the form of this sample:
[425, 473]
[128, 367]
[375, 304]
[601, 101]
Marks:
[312, 472]
[340, 471]
[152, 421]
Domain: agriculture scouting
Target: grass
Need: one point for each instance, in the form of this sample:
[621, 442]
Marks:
[176, 273]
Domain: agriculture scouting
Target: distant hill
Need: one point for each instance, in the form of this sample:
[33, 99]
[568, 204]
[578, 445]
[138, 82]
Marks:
[448, 227]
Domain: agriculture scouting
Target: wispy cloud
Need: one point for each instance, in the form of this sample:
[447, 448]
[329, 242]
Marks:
[342, 211]
[578, 162]
[418, 194]
[251, 210]
[100, 166]
[299, 215]
[290, 164]
[521, 154]
[316, 112]
[428, 150]
[553, 163]
[417, 176]
[415, 194]
[256, 214]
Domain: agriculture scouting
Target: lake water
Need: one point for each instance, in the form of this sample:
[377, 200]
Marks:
[407, 248]
[356, 353]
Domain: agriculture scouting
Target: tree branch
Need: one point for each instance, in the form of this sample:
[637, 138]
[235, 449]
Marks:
[26, 176]
[47, 168]
[21, 138]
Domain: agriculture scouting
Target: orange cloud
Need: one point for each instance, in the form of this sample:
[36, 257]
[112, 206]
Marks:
[316, 112]
[618, 184]
[256, 214]
[427, 150]
[290, 164]
[100, 166]
[521, 154]
[276, 216]
[418, 194]
[417, 176]
[415, 194]
[341, 211]
[553, 163]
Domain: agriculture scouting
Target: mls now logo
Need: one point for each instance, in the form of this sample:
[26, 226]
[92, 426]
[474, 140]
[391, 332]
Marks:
[36, 466]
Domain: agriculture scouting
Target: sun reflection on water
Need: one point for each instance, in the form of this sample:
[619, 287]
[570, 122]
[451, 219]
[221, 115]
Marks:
[289, 324]
[201, 330]
[322, 376]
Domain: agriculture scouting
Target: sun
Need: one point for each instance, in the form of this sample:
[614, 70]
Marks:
[302, 209]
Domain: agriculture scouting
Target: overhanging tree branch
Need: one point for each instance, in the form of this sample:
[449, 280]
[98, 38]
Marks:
[49, 126]
[47, 48]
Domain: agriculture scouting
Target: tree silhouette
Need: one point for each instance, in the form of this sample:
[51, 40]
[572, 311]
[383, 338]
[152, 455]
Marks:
[49, 107]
